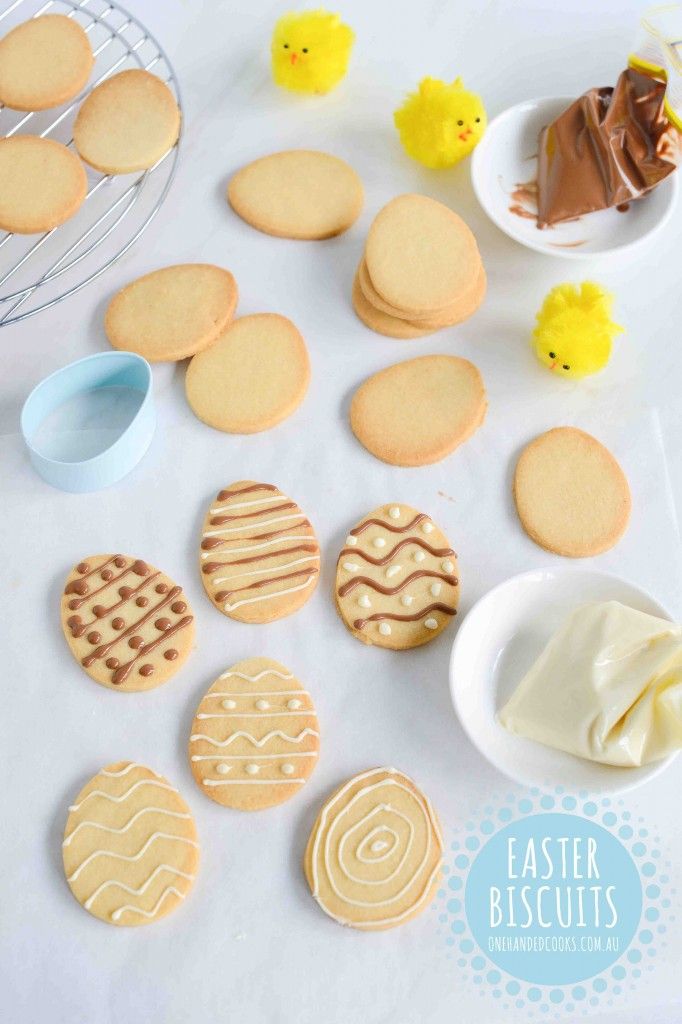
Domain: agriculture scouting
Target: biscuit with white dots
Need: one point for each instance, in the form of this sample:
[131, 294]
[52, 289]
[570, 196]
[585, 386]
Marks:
[255, 738]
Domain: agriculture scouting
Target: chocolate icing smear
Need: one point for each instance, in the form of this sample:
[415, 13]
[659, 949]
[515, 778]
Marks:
[612, 145]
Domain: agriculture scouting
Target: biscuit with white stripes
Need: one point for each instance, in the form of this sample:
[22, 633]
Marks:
[259, 558]
[255, 737]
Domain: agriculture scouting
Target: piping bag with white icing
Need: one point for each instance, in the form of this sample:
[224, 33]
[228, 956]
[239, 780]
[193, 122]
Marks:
[607, 687]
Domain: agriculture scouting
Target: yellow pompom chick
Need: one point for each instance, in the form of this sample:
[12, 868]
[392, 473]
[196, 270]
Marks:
[440, 123]
[310, 51]
[574, 329]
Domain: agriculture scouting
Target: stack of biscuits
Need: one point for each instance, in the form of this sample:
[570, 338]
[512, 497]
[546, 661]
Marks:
[421, 270]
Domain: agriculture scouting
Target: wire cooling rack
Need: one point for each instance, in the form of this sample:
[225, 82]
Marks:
[37, 271]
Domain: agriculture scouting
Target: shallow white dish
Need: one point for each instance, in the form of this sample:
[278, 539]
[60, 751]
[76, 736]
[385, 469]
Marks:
[498, 641]
[506, 157]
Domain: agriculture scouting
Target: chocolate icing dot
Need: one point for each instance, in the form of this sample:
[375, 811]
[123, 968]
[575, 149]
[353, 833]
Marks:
[94, 637]
[125, 592]
[140, 568]
[99, 611]
[171, 654]
[79, 587]
[161, 588]
[142, 602]
[112, 663]
[163, 624]
[82, 568]
[74, 604]
[146, 670]
[135, 642]
[106, 574]
[73, 620]
[118, 622]
[119, 561]
[221, 595]
[178, 607]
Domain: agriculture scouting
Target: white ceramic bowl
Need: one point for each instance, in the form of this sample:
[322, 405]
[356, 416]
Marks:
[498, 641]
[506, 156]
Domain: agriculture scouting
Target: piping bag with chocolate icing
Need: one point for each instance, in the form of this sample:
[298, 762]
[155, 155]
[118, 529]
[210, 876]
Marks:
[613, 145]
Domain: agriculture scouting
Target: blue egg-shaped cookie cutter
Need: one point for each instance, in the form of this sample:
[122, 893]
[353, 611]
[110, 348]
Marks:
[124, 370]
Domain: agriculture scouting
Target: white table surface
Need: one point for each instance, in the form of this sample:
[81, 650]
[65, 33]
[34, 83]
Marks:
[250, 944]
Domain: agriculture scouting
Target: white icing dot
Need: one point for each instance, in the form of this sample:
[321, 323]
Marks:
[351, 566]
[407, 600]
[351, 540]
[252, 769]
[431, 623]
[222, 769]
[364, 601]
[287, 769]
[293, 704]
[436, 589]
[379, 542]
[394, 512]
[392, 570]
[384, 629]
[262, 705]
[229, 704]
[427, 527]
[419, 555]
[447, 565]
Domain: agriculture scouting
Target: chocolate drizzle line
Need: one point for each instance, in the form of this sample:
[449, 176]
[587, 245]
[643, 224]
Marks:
[380, 616]
[139, 567]
[224, 495]
[211, 567]
[224, 595]
[122, 673]
[439, 552]
[101, 652]
[359, 581]
[420, 517]
[209, 543]
[219, 520]
[78, 628]
[97, 568]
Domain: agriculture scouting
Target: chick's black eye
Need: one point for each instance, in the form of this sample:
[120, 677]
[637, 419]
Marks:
[565, 367]
[305, 49]
[286, 46]
[460, 123]
[478, 120]
[552, 355]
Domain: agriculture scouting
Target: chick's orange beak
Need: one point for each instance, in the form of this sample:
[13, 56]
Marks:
[294, 58]
[463, 136]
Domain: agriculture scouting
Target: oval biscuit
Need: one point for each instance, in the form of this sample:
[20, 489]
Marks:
[300, 193]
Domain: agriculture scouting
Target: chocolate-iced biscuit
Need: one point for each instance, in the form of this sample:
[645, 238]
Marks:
[128, 624]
